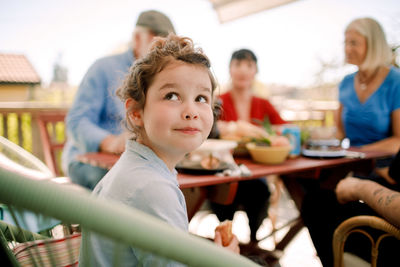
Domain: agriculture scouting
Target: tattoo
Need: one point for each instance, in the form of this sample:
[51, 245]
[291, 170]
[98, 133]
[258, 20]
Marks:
[380, 200]
[377, 191]
[390, 198]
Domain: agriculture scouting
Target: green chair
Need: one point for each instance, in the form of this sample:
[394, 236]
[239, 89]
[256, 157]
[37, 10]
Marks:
[112, 219]
[105, 217]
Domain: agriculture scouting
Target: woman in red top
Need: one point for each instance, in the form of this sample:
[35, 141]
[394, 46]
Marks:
[239, 104]
[259, 108]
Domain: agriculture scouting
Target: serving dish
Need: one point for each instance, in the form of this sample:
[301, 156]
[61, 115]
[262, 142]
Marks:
[324, 148]
[268, 154]
[190, 167]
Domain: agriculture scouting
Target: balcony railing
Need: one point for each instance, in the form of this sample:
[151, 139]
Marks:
[18, 123]
[18, 120]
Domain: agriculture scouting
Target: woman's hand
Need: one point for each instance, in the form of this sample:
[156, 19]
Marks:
[232, 246]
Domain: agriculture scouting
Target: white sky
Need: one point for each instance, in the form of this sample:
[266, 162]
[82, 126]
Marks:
[289, 40]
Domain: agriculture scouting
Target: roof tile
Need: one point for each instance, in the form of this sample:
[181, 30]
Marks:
[17, 69]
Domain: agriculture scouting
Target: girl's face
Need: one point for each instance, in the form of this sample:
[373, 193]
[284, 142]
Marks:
[355, 47]
[242, 73]
[177, 116]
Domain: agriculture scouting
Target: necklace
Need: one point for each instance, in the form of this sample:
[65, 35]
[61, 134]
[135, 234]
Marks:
[364, 80]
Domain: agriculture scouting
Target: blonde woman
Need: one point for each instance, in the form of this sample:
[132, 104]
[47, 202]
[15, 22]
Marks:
[369, 113]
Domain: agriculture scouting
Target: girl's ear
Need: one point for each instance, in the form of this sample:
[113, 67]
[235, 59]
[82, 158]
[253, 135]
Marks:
[134, 114]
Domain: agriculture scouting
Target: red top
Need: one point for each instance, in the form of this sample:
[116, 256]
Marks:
[260, 108]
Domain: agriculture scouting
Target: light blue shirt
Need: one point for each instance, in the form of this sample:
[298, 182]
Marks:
[141, 180]
[369, 122]
[96, 111]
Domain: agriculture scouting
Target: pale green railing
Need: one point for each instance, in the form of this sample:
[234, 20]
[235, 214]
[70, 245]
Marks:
[114, 220]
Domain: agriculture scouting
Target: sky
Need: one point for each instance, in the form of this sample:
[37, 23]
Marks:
[290, 41]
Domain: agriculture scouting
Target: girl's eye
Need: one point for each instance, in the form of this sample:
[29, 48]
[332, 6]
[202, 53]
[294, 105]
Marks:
[171, 96]
[202, 99]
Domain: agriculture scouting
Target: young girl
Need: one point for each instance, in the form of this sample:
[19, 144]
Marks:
[168, 98]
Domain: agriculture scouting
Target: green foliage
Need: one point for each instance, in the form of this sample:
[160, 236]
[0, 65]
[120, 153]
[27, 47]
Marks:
[18, 129]
[262, 141]
[12, 128]
[304, 136]
[60, 131]
[267, 126]
[26, 131]
[1, 125]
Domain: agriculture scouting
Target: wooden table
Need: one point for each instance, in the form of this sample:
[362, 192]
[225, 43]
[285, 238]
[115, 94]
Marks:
[301, 164]
[222, 189]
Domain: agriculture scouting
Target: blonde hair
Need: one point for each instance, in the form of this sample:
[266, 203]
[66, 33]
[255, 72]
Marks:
[378, 51]
[163, 52]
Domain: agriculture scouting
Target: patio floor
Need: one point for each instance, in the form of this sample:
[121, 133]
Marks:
[299, 252]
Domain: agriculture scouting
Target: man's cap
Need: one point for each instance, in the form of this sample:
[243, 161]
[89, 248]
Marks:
[156, 21]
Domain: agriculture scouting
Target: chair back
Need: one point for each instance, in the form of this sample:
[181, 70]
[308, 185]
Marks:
[355, 224]
[114, 220]
[29, 201]
[52, 135]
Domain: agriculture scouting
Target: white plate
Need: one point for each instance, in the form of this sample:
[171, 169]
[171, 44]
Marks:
[324, 153]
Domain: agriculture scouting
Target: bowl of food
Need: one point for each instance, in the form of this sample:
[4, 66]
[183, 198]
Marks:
[264, 152]
[242, 132]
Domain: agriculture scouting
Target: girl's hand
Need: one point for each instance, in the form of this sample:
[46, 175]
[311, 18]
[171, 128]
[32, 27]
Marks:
[232, 246]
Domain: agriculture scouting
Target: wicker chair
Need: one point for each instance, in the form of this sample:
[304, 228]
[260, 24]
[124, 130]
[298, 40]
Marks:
[353, 225]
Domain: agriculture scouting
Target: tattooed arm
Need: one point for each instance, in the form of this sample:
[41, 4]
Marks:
[384, 201]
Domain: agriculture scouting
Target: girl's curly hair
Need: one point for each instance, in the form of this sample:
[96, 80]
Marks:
[162, 52]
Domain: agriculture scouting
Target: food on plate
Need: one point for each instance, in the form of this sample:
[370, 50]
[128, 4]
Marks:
[210, 162]
[237, 130]
[225, 229]
[279, 140]
[272, 140]
[247, 132]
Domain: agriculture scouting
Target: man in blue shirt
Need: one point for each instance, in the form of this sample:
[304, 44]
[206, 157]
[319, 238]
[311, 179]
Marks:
[94, 121]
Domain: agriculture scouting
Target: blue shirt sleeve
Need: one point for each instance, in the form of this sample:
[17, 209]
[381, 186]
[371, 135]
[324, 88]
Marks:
[396, 88]
[96, 112]
[84, 116]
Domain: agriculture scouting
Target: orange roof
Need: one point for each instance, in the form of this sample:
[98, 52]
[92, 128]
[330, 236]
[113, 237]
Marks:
[17, 69]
